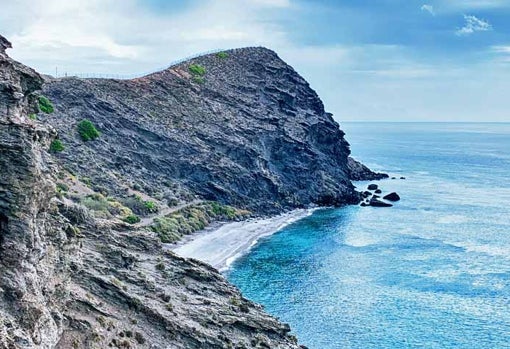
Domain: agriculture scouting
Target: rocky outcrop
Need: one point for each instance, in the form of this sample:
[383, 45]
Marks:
[69, 280]
[34, 249]
[359, 172]
[247, 131]
[392, 197]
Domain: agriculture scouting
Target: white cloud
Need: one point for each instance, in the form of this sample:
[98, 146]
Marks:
[475, 4]
[113, 36]
[503, 53]
[272, 3]
[501, 49]
[428, 8]
[473, 24]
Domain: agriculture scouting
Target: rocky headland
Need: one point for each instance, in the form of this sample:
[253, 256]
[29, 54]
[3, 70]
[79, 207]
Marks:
[96, 174]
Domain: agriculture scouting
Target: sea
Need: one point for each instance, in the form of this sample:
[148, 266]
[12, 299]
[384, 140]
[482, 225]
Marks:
[433, 271]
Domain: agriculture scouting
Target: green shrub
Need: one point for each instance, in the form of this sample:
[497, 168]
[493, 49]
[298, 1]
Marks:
[87, 130]
[132, 219]
[62, 187]
[95, 202]
[193, 218]
[56, 146]
[167, 229]
[45, 105]
[222, 55]
[151, 206]
[139, 206]
[32, 116]
[198, 80]
[196, 70]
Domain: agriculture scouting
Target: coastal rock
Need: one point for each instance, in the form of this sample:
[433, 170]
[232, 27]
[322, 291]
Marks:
[372, 187]
[392, 197]
[378, 191]
[359, 172]
[375, 202]
[249, 132]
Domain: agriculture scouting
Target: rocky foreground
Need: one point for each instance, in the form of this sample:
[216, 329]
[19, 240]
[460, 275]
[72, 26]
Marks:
[96, 174]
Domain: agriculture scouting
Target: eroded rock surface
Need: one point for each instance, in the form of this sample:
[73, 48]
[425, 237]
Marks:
[249, 132]
[69, 280]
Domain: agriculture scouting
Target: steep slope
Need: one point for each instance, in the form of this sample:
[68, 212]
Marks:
[241, 127]
[70, 280]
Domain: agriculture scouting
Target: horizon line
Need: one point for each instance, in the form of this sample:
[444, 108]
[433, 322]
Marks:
[424, 122]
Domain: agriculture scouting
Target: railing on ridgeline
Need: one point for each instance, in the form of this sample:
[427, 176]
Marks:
[131, 76]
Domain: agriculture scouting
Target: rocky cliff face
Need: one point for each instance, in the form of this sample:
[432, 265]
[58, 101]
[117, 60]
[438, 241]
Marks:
[241, 127]
[34, 249]
[70, 280]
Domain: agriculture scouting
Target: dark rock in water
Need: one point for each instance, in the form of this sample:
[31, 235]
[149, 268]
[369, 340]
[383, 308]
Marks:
[378, 203]
[359, 172]
[364, 204]
[375, 196]
[378, 191]
[366, 194]
[372, 187]
[392, 197]
[393, 177]
[402, 178]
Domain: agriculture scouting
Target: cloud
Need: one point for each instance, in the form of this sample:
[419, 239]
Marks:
[503, 53]
[272, 3]
[428, 8]
[473, 24]
[127, 37]
[475, 4]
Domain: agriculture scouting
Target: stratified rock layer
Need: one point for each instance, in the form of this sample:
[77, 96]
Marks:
[68, 280]
[250, 132]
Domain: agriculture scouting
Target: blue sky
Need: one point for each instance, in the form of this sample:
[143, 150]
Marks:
[380, 60]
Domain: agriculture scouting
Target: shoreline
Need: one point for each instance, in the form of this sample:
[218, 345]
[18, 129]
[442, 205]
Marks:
[221, 244]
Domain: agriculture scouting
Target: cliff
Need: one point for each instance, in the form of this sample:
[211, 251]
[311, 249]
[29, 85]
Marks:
[247, 130]
[82, 264]
[69, 280]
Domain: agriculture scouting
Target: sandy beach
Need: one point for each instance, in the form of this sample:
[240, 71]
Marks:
[221, 246]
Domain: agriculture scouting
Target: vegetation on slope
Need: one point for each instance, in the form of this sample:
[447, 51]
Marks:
[193, 218]
[87, 130]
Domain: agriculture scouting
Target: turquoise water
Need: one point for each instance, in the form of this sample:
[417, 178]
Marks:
[431, 272]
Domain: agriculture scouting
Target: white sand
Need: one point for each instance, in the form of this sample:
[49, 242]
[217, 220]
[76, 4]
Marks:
[220, 247]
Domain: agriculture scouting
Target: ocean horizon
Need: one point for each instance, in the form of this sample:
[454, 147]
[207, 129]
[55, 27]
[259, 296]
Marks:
[431, 272]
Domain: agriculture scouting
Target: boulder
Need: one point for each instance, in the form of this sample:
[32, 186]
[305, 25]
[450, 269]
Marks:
[378, 191]
[402, 178]
[375, 202]
[366, 194]
[372, 187]
[392, 197]
[363, 204]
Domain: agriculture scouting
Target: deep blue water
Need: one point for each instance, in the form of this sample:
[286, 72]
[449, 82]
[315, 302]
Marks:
[431, 272]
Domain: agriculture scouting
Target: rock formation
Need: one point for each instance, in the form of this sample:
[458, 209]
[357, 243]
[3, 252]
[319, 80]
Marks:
[249, 132]
[359, 172]
[242, 128]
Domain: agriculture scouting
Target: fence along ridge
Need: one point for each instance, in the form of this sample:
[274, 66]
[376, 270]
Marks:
[139, 75]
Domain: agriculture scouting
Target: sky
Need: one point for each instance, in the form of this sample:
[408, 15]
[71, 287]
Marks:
[377, 60]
